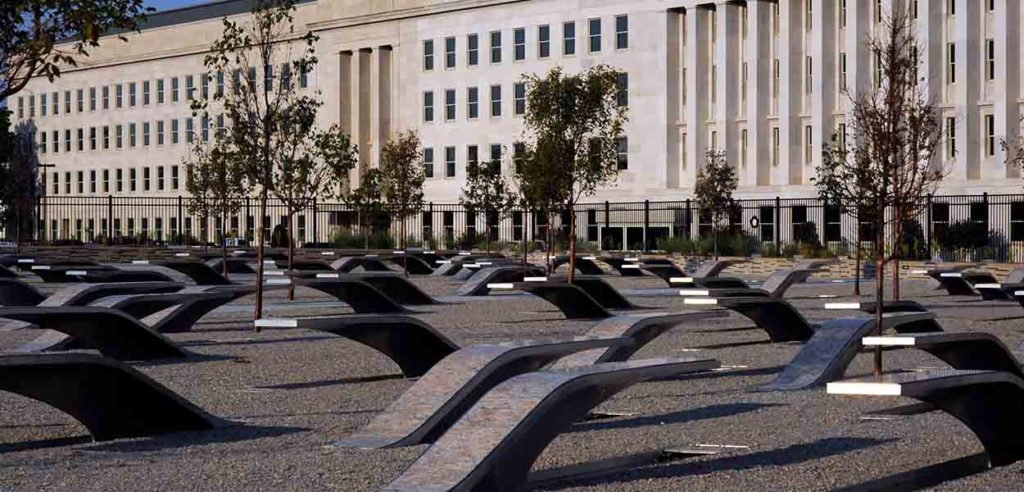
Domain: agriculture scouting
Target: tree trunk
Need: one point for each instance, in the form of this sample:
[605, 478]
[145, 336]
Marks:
[401, 243]
[258, 306]
[224, 254]
[551, 243]
[525, 242]
[572, 243]
[291, 254]
[856, 265]
[879, 293]
[898, 254]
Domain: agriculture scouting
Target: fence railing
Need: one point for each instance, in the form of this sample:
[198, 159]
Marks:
[961, 228]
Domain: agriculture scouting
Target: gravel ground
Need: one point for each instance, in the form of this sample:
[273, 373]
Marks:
[292, 392]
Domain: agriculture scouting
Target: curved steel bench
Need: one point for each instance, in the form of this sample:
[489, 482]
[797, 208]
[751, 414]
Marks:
[642, 329]
[7, 272]
[235, 265]
[619, 264]
[969, 351]
[413, 264]
[189, 308]
[412, 344]
[368, 264]
[427, 409]
[110, 399]
[478, 285]
[962, 283]
[571, 300]
[57, 274]
[990, 403]
[777, 317]
[393, 285]
[113, 333]
[359, 295]
[494, 445]
[712, 268]
[828, 353]
[118, 276]
[775, 286]
[14, 292]
[584, 263]
[199, 272]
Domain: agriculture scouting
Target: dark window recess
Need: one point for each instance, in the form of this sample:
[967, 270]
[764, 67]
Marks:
[767, 217]
[448, 222]
[592, 225]
[833, 224]
[470, 225]
[491, 217]
[517, 226]
[681, 223]
[428, 224]
[1017, 221]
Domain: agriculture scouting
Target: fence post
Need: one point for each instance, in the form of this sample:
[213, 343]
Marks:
[110, 217]
[607, 224]
[647, 225]
[689, 220]
[778, 224]
[181, 222]
[316, 237]
[247, 230]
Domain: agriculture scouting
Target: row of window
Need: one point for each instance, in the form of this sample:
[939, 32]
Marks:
[496, 54]
[160, 132]
[159, 91]
[100, 181]
[495, 106]
[494, 156]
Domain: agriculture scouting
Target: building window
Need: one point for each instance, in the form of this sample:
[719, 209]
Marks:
[159, 91]
[472, 154]
[190, 86]
[131, 179]
[428, 55]
[56, 141]
[842, 72]
[303, 77]
[544, 41]
[473, 102]
[160, 132]
[951, 137]
[809, 70]
[622, 32]
[285, 79]
[92, 181]
[623, 96]
[174, 177]
[951, 7]
[595, 35]
[473, 49]
[743, 148]
[951, 63]
[145, 93]
[622, 152]
[174, 89]
[131, 135]
[569, 38]
[80, 182]
[189, 130]
[808, 14]
[496, 47]
[449, 162]
[449, 52]
[42, 105]
[519, 94]
[67, 140]
[495, 155]
[131, 94]
[682, 150]
[67, 183]
[92, 99]
[519, 44]
[119, 136]
[145, 179]
[428, 162]
[428, 106]
[990, 51]
[145, 133]
[268, 81]
[495, 100]
[205, 127]
[220, 126]
[42, 143]
[118, 96]
[55, 99]
[67, 102]
[119, 180]
[174, 131]
[106, 137]
[449, 105]
[106, 181]
[81, 139]
[160, 178]
[808, 145]
[775, 146]
[990, 135]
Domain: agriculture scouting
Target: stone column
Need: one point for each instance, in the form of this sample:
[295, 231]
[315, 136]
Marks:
[967, 90]
[824, 92]
[1006, 86]
[791, 93]
[759, 76]
[696, 91]
[727, 80]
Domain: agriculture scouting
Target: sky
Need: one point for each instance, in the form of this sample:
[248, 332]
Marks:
[172, 4]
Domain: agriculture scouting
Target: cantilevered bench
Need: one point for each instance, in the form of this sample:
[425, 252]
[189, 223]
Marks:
[57, 274]
[962, 283]
[199, 272]
[359, 295]
[584, 263]
[901, 306]
[620, 264]
[412, 264]
[369, 263]
[113, 333]
[14, 292]
[777, 317]
[990, 403]
[7, 272]
[775, 286]
[995, 291]
[188, 307]
[478, 284]
[494, 445]
[235, 265]
[412, 344]
[393, 285]
[833, 346]
[110, 399]
[573, 301]
[116, 276]
[428, 408]
[975, 350]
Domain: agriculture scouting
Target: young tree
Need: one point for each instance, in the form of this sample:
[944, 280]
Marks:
[575, 123]
[366, 199]
[487, 189]
[260, 103]
[309, 167]
[39, 37]
[215, 182]
[890, 164]
[716, 182]
[400, 179]
[19, 168]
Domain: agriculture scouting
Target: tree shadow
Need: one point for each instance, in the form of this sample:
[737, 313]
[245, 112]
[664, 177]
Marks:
[43, 444]
[334, 382]
[220, 435]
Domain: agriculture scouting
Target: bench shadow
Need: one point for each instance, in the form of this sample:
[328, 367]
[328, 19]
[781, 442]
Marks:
[680, 417]
[213, 343]
[333, 382]
[791, 455]
[43, 444]
[220, 435]
[735, 344]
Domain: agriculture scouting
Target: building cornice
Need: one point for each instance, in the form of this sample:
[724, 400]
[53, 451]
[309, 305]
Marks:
[401, 14]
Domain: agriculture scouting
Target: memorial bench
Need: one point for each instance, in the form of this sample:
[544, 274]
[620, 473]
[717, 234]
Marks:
[775, 286]
[478, 285]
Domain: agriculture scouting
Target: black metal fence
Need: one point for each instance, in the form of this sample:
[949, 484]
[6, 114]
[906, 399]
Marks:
[961, 228]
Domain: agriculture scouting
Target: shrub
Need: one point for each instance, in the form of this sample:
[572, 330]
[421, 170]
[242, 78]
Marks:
[681, 245]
